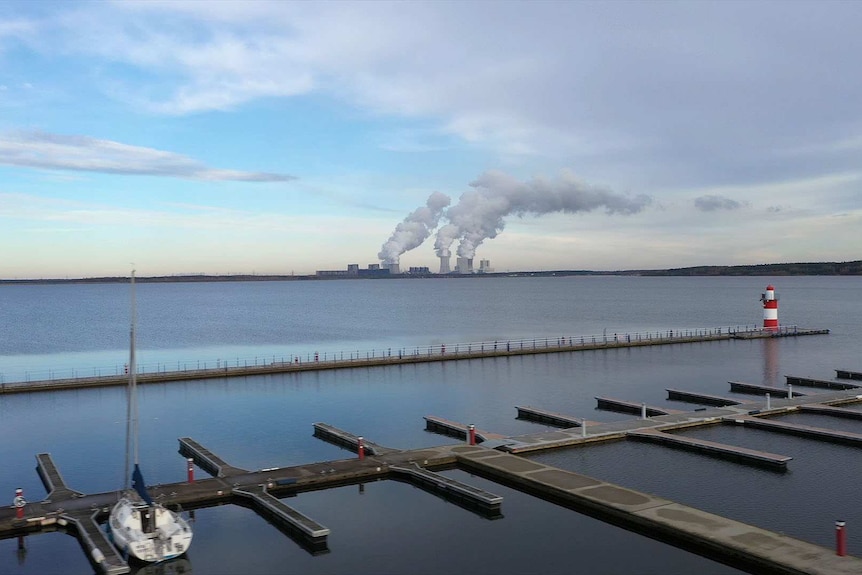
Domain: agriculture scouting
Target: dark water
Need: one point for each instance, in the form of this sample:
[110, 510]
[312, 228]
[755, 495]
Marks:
[390, 527]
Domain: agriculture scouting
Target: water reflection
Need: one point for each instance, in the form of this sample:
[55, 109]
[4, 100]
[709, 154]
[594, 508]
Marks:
[178, 566]
[771, 361]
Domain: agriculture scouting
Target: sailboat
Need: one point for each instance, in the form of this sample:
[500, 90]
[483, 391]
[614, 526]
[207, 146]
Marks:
[139, 526]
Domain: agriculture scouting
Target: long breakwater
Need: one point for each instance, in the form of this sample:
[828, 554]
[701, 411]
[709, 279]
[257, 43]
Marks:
[312, 361]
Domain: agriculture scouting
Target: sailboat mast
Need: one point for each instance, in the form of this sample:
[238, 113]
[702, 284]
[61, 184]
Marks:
[131, 393]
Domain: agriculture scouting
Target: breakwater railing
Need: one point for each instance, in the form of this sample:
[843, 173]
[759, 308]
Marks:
[308, 360]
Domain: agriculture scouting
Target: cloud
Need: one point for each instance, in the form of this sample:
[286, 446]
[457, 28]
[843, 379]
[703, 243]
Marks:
[712, 203]
[650, 97]
[44, 150]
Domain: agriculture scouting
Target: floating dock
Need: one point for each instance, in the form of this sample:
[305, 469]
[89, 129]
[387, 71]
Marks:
[847, 374]
[95, 542]
[54, 483]
[623, 406]
[347, 440]
[732, 542]
[807, 431]
[463, 494]
[820, 383]
[831, 410]
[207, 460]
[719, 538]
[701, 398]
[436, 424]
[550, 418]
[311, 534]
[720, 450]
[756, 389]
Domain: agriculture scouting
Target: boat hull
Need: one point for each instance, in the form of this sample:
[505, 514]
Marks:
[149, 533]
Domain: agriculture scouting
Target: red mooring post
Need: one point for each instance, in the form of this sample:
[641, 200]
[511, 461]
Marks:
[471, 434]
[840, 539]
[19, 502]
[191, 468]
[360, 449]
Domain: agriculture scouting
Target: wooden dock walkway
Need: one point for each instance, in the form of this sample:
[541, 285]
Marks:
[847, 374]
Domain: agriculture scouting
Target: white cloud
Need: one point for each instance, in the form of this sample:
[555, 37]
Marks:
[83, 153]
[665, 91]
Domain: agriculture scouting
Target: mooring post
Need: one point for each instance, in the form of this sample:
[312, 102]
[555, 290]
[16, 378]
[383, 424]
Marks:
[768, 406]
[471, 434]
[643, 411]
[583, 428]
[360, 449]
[789, 391]
[840, 539]
[191, 469]
[19, 503]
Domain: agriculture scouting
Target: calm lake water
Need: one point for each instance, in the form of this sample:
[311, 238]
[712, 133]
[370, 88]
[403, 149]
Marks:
[391, 527]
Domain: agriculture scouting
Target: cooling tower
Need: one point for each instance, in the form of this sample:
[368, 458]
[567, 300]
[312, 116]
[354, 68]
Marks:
[444, 265]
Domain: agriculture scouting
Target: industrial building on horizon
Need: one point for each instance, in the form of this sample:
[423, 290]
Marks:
[463, 266]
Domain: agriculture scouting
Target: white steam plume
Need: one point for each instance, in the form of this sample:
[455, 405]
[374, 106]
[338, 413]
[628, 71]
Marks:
[479, 213]
[415, 228]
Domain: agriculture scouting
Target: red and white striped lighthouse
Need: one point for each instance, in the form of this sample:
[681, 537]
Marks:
[770, 308]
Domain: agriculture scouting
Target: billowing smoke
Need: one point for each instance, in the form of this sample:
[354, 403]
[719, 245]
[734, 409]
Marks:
[479, 213]
[415, 228]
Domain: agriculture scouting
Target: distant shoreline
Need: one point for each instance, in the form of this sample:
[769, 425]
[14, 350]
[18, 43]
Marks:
[853, 268]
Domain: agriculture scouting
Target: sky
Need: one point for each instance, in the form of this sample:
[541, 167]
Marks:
[288, 137]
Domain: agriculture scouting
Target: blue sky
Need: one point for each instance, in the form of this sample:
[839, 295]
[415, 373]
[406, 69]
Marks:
[277, 137]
